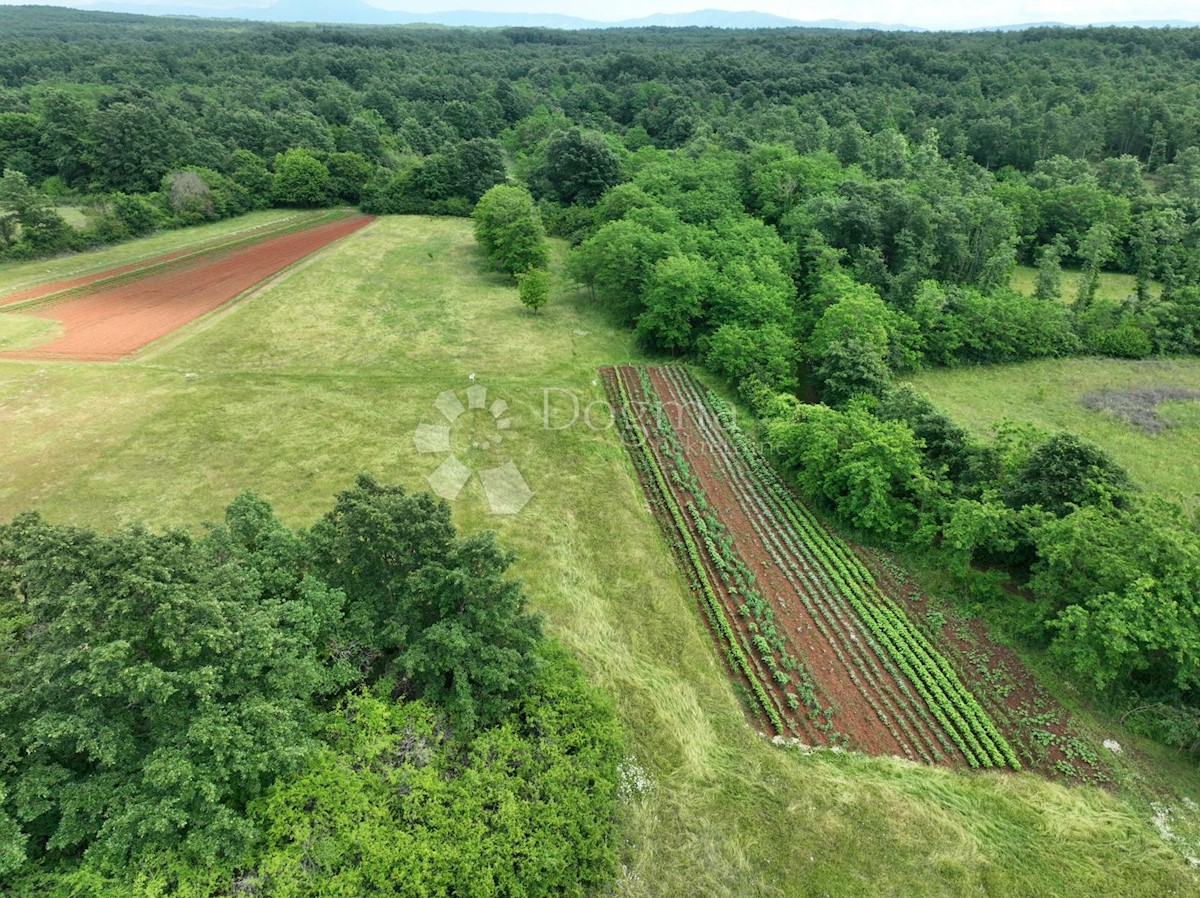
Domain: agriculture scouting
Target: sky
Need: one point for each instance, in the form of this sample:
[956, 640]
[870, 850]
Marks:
[923, 13]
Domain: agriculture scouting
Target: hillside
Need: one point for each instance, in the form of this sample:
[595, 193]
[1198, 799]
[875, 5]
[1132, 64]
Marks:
[333, 369]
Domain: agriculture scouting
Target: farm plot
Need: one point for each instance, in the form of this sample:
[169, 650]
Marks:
[111, 314]
[821, 653]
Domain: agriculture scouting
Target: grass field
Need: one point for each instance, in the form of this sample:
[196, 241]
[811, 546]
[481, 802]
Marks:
[73, 215]
[1114, 285]
[1048, 393]
[21, 331]
[331, 370]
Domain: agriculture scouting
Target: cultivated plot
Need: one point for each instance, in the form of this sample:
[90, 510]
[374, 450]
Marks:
[111, 314]
[821, 648]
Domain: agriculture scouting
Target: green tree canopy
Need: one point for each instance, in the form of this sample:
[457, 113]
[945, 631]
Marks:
[176, 677]
[300, 180]
[434, 608]
[577, 167]
[509, 229]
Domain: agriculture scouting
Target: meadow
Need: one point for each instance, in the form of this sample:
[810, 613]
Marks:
[330, 370]
[1049, 394]
[1114, 285]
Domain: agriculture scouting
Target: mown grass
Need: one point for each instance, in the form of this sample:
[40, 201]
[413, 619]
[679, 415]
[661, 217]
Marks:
[73, 215]
[19, 275]
[329, 372]
[1114, 285]
[22, 331]
[1047, 393]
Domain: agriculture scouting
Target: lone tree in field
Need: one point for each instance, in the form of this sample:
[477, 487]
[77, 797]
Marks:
[509, 229]
[534, 288]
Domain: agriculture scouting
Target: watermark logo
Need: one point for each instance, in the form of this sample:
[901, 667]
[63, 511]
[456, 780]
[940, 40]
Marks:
[471, 438]
[689, 418]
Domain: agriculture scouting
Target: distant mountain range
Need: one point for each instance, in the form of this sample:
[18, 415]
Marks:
[358, 12]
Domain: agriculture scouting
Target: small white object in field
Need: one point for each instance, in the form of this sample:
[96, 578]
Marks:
[472, 377]
[633, 779]
[1113, 745]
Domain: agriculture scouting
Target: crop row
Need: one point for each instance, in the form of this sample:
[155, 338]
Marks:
[955, 709]
[211, 248]
[877, 681]
[655, 481]
[767, 647]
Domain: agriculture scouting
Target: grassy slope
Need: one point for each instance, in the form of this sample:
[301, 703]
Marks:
[330, 371]
[1048, 394]
[21, 331]
[73, 215]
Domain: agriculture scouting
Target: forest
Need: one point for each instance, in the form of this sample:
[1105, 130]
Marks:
[809, 215]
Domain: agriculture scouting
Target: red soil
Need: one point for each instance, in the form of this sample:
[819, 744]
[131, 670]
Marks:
[49, 289]
[829, 667]
[59, 286]
[854, 717]
[1038, 726]
[113, 322]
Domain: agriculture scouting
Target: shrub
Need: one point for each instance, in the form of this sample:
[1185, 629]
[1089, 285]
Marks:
[1126, 341]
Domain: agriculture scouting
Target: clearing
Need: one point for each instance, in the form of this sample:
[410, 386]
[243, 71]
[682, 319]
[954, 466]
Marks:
[333, 370]
[1056, 395]
[1114, 285]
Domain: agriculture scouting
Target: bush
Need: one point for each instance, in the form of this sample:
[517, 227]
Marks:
[138, 214]
[1126, 341]
[395, 806]
[1065, 471]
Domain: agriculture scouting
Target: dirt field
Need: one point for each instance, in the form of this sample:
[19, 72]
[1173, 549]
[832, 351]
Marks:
[53, 287]
[113, 322]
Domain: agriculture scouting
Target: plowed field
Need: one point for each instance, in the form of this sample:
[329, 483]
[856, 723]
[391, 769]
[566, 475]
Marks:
[821, 652]
[113, 314]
